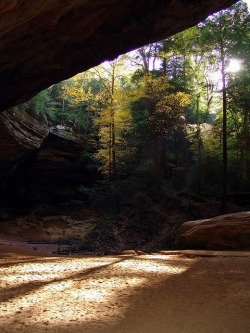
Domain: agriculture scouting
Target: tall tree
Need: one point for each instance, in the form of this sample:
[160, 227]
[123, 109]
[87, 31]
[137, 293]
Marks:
[114, 119]
[164, 115]
[220, 33]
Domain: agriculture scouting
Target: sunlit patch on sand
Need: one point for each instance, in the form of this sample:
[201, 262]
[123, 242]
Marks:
[98, 294]
[20, 273]
[150, 267]
[47, 291]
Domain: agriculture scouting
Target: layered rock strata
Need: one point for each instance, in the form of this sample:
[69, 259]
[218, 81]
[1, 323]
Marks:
[38, 163]
[44, 42]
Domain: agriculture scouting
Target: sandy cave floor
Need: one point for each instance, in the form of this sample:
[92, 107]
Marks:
[130, 294]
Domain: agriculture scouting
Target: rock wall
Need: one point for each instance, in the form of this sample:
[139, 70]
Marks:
[38, 163]
[20, 134]
[44, 42]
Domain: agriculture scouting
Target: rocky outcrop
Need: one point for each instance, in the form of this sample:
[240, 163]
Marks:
[50, 228]
[58, 168]
[38, 163]
[20, 134]
[44, 42]
[225, 232]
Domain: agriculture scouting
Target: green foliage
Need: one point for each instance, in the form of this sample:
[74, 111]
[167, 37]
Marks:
[153, 124]
[37, 106]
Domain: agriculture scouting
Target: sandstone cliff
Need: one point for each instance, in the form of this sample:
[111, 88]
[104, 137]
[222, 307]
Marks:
[44, 42]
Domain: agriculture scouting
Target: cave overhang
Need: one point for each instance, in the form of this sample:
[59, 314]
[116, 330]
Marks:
[44, 42]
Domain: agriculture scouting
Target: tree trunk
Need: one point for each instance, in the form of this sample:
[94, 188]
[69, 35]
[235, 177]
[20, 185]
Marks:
[112, 128]
[110, 156]
[199, 146]
[224, 203]
[243, 149]
[164, 162]
[155, 150]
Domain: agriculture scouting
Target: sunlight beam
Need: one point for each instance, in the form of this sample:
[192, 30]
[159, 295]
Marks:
[234, 66]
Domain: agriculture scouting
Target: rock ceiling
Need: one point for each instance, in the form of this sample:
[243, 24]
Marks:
[43, 42]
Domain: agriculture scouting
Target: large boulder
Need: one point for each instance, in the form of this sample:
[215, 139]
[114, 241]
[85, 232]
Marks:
[44, 42]
[225, 232]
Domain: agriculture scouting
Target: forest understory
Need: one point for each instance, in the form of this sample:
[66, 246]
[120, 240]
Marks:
[72, 228]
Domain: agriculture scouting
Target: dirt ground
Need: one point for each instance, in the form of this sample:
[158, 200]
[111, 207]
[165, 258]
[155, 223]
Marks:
[123, 294]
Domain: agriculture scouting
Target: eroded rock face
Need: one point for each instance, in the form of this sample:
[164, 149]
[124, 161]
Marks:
[43, 42]
[20, 134]
[225, 232]
[56, 227]
[38, 163]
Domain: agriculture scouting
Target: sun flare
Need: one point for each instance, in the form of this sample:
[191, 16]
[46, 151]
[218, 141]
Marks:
[234, 66]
